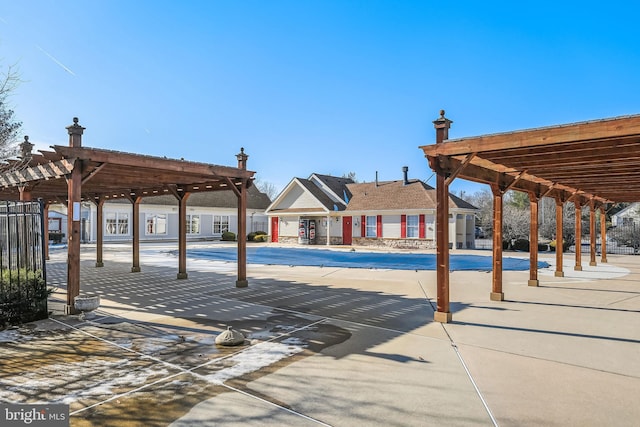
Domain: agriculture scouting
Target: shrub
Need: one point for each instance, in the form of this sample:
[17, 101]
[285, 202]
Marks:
[229, 236]
[23, 296]
[521, 245]
[252, 236]
[543, 247]
[261, 238]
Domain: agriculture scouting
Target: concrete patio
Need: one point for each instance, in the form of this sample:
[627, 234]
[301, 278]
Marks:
[330, 346]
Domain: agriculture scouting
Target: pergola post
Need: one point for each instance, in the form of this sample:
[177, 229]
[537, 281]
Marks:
[603, 235]
[559, 238]
[592, 233]
[242, 281]
[135, 224]
[578, 236]
[182, 235]
[99, 231]
[443, 313]
[533, 240]
[496, 286]
[74, 190]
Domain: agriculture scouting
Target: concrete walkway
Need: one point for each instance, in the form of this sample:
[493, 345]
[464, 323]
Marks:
[330, 346]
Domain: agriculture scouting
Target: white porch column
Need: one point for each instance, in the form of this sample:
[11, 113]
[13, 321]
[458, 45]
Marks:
[328, 230]
[454, 230]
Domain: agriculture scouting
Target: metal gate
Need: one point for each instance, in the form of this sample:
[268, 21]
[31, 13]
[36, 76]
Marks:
[23, 283]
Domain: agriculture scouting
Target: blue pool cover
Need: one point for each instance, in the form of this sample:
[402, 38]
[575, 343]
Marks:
[357, 259]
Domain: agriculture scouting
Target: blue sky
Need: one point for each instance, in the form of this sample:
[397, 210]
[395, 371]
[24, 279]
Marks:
[314, 86]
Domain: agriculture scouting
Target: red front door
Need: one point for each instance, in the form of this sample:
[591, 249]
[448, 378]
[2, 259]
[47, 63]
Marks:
[347, 230]
[274, 228]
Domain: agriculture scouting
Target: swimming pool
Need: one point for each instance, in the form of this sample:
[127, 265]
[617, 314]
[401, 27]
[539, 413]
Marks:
[357, 259]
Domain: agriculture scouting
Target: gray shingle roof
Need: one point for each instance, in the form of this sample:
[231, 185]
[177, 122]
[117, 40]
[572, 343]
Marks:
[214, 199]
[338, 185]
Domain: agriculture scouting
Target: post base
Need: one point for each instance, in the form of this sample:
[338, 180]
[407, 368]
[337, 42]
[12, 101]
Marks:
[70, 309]
[577, 268]
[442, 317]
[182, 275]
[593, 263]
[497, 296]
[99, 264]
[242, 283]
[559, 273]
[534, 282]
[135, 269]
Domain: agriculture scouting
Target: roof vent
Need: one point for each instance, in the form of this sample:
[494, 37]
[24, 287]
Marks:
[405, 170]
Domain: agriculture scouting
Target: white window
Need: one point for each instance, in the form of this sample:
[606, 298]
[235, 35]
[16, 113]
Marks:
[193, 224]
[372, 226]
[156, 224]
[220, 224]
[116, 224]
[412, 226]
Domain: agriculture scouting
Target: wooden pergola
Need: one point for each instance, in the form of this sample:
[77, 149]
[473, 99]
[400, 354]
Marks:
[591, 164]
[73, 174]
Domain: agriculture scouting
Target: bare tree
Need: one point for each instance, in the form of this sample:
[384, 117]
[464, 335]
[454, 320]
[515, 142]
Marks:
[483, 200]
[9, 127]
[267, 188]
[351, 176]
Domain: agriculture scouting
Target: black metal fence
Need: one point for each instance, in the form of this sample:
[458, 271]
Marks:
[621, 240]
[23, 284]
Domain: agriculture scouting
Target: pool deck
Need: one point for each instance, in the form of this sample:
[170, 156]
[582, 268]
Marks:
[333, 346]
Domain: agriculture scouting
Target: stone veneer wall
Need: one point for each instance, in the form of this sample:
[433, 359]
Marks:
[395, 243]
[362, 241]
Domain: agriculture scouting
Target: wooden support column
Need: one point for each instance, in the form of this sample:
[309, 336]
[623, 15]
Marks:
[99, 231]
[592, 233]
[135, 224]
[603, 235]
[578, 236]
[74, 189]
[242, 281]
[559, 239]
[533, 240]
[496, 286]
[182, 235]
[443, 313]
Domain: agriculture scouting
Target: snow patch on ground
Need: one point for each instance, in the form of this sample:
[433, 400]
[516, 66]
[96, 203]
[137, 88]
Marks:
[253, 359]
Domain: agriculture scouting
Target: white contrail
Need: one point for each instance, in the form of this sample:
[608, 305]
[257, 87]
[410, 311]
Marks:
[56, 61]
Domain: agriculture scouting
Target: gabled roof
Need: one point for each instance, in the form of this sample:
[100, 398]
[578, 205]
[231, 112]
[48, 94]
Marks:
[628, 210]
[338, 186]
[320, 195]
[389, 195]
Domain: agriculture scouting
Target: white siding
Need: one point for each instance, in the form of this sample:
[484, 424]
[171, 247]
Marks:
[391, 226]
[298, 198]
[430, 226]
[288, 227]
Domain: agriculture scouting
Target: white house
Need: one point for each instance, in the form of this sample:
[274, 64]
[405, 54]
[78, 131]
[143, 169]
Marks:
[627, 216]
[327, 210]
[209, 214]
